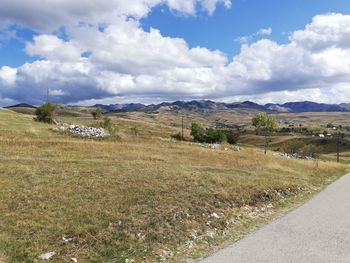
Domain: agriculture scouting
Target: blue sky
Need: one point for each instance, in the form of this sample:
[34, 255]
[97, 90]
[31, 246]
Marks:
[201, 49]
[245, 18]
[218, 31]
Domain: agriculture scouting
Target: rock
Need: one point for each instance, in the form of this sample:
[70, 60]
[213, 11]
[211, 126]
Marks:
[82, 131]
[66, 238]
[269, 206]
[215, 215]
[214, 146]
[74, 260]
[47, 256]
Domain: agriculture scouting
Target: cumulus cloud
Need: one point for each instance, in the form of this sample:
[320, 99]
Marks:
[51, 14]
[8, 75]
[124, 61]
[52, 48]
[264, 32]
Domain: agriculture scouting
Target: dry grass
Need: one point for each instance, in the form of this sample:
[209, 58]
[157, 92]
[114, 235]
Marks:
[145, 197]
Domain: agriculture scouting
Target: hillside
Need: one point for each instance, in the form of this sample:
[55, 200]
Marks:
[136, 196]
[207, 105]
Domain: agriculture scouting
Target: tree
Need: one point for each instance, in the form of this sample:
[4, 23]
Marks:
[214, 135]
[232, 136]
[45, 113]
[264, 125]
[209, 136]
[96, 113]
[197, 132]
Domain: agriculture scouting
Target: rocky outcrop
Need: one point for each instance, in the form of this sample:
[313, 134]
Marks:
[82, 131]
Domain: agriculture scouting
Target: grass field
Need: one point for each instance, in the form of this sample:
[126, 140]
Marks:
[136, 198]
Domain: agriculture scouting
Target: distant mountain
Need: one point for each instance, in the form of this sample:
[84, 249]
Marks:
[345, 106]
[306, 106]
[21, 105]
[245, 105]
[120, 107]
[208, 105]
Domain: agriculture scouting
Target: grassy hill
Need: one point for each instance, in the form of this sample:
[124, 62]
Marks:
[143, 197]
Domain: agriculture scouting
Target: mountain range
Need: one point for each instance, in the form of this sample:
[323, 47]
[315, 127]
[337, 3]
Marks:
[202, 105]
[208, 105]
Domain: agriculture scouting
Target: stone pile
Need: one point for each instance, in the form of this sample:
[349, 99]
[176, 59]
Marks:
[294, 156]
[82, 131]
[214, 146]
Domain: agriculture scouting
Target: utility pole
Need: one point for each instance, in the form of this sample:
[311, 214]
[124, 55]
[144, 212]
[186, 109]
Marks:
[339, 136]
[182, 127]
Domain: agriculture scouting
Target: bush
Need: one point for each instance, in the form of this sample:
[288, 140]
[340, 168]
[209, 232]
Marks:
[310, 150]
[177, 136]
[232, 136]
[292, 146]
[106, 123]
[45, 113]
[209, 136]
[96, 113]
[134, 131]
[213, 136]
[197, 132]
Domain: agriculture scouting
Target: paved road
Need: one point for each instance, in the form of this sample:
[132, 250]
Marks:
[318, 231]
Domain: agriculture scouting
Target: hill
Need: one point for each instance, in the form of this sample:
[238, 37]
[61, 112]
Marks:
[207, 105]
[138, 195]
[21, 105]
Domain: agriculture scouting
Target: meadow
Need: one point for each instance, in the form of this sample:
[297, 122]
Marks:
[137, 196]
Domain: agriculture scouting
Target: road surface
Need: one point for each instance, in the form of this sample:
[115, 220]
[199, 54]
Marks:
[318, 231]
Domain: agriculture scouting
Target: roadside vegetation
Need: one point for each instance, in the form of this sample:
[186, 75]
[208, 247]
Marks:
[137, 196]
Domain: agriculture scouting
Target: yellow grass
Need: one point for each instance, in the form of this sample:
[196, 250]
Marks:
[147, 197]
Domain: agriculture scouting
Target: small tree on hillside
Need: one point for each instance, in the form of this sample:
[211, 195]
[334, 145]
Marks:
[264, 125]
[45, 113]
[197, 132]
[96, 113]
[214, 136]
[232, 136]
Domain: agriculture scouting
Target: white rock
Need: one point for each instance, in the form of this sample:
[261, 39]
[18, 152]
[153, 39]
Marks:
[215, 215]
[47, 256]
[74, 260]
[66, 238]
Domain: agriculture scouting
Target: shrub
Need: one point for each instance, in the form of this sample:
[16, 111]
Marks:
[134, 131]
[197, 132]
[213, 136]
[45, 113]
[309, 150]
[232, 136]
[96, 113]
[292, 146]
[209, 136]
[106, 123]
[177, 136]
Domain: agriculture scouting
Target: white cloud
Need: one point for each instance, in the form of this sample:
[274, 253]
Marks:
[51, 14]
[8, 76]
[125, 61]
[264, 32]
[52, 48]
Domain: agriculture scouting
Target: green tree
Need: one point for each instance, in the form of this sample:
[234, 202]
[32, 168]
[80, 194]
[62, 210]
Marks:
[96, 113]
[232, 136]
[214, 135]
[264, 125]
[197, 132]
[45, 113]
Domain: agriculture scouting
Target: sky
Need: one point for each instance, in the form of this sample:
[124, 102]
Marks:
[149, 51]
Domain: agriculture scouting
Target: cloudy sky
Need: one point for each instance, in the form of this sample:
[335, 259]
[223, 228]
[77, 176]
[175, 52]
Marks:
[116, 51]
